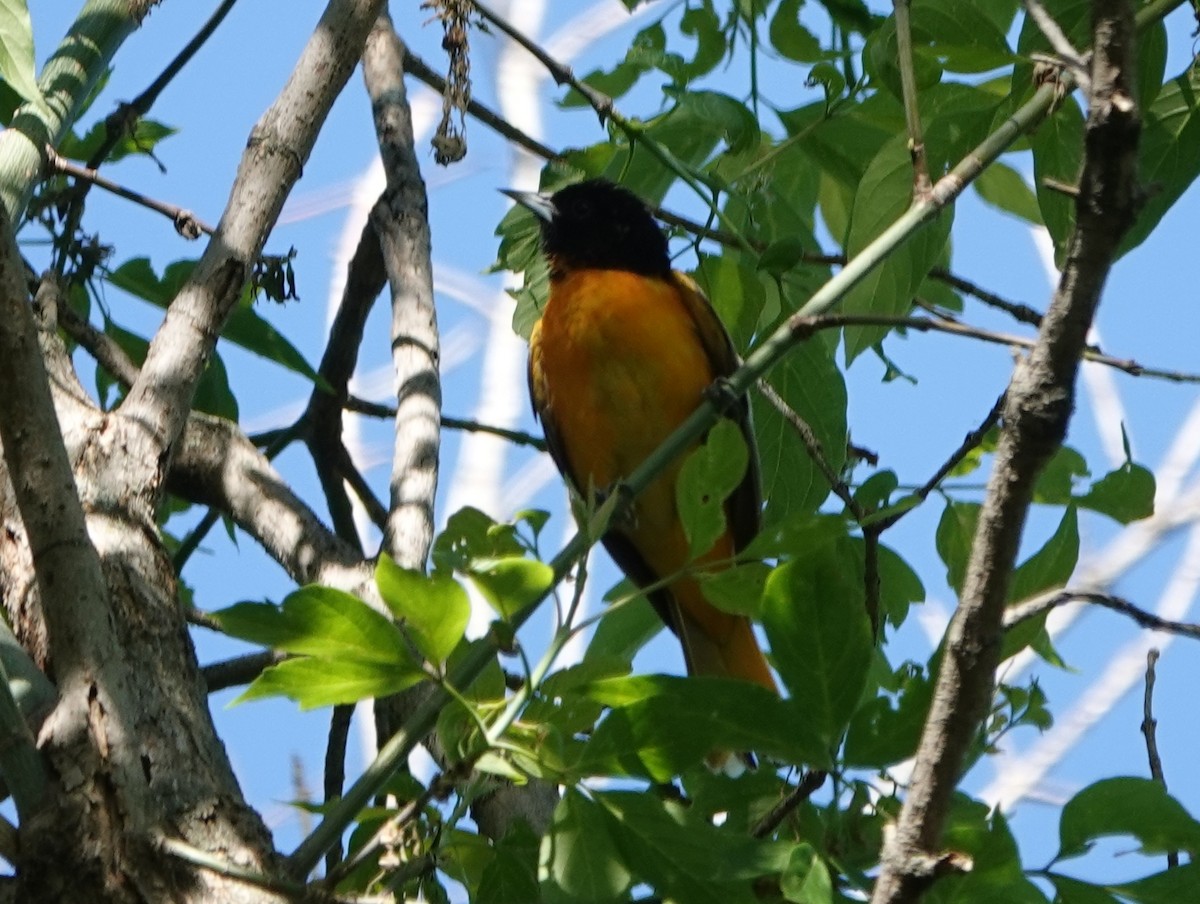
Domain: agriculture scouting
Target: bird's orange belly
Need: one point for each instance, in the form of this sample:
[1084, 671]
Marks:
[622, 368]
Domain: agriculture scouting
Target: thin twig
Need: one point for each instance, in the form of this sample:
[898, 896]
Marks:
[970, 441]
[442, 784]
[417, 67]
[385, 412]
[805, 789]
[1067, 54]
[187, 224]
[1020, 312]
[908, 88]
[240, 670]
[118, 121]
[956, 328]
[813, 446]
[99, 345]
[1149, 730]
[561, 74]
[335, 769]
[1039, 605]
[349, 472]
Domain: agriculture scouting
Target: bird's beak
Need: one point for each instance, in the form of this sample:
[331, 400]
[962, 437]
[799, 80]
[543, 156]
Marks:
[541, 205]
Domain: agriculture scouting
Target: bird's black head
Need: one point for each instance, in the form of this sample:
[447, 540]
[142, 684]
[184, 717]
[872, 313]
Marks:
[601, 226]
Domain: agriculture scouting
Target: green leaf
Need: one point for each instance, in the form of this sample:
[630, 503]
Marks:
[702, 25]
[790, 38]
[996, 876]
[738, 589]
[899, 585]
[1052, 565]
[1125, 495]
[682, 856]
[511, 875]
[884, 732]
[1058, 156]
[625, 629]
[511, 584]
[1076, 891]
[1006, 189]
[16, 49]
[250, 330]
[732, 119]
[707, 477]
[661, 725]
[1151, 58]
[616, 82]
[316, 681]
[319, 621]
[960, 36]
[1166, 152]
[1127, 806]
[245, 328]
[470, 534]
[883, 195]
[806, 879]
[213, 393]
[811, 384]
[732, 285]
[579, 862]
[816, 620]
[955, 534]
[435, 609]
[1057, 483]
[1179, 883]
[141, 139]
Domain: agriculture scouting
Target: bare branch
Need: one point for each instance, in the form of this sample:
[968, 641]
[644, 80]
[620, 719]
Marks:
[970, 441]
[520, 437]
[401, 221]
[813, 446]
[44, 484]
[415, 66]
[218, 466]
[1040, 605]
[1150, 731]
[228, 673]
[1058, 41]
[561, 74]
[187, 224]
[321, 423]
[1036, 413]
[804, 789]
[908, 85]
[279, 146]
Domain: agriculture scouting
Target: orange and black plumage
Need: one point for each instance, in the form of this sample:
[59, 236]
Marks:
[623, 353]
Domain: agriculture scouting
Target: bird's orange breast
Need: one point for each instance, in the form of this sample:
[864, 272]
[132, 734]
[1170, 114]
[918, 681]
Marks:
[617, 365]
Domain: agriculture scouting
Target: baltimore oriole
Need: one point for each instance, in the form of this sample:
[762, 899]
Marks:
[623, 353]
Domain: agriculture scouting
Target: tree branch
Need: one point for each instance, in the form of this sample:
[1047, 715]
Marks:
[44, 484]
[1036, 413]
[216, 465]
[219, 676]
[908, 85]
[279, 145]
[1040, 605]
[401, 219]
[1150, 731]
